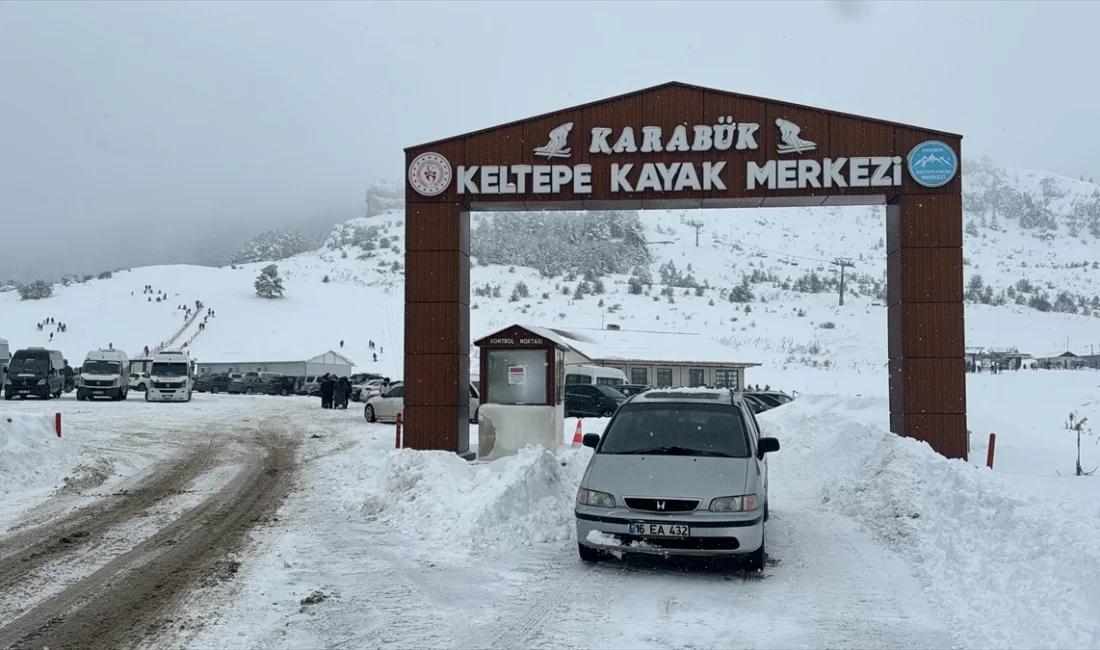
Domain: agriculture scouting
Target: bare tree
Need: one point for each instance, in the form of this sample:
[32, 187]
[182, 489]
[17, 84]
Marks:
[1077, 423]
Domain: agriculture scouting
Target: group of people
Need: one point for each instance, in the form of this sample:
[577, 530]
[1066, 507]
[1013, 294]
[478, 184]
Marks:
[334, 391]
[61, 327]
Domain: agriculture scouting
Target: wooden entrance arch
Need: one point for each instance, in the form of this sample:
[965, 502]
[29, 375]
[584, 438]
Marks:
[679, 146]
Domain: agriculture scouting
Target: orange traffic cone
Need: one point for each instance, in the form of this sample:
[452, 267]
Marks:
[578, 435]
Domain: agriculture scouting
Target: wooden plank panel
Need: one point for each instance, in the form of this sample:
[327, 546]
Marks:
[437, 328]
[436, 227]
[944, 432]
[905, 138]
[437, 276]
[437, 379]
[720, 110]
[928, 385]
[454, 152]
[488, 152]
[813, 128]
[928, 330]
[437, 427]
[536, 133]
[673, 108]
[614, 115]
[924, 275]
[924, 221]
[850, 137]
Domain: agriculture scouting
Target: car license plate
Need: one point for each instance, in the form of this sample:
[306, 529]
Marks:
[660, 530]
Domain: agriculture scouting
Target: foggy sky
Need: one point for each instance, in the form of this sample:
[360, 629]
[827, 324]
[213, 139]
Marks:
[129, 125]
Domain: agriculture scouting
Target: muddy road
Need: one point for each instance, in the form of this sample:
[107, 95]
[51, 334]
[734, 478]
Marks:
[133, 590]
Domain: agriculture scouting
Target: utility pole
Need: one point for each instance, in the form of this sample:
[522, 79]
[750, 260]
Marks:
[697, 225]
[843, 263]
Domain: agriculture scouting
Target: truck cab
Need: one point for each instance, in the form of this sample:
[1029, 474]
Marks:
[104, 373]
[171, 377]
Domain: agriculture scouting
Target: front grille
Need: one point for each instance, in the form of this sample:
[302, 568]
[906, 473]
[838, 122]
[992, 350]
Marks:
[661, 505]
[97, 383]
[166, 385]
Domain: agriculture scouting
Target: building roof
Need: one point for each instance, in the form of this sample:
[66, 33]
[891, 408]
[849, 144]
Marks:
[642, 347]
[572, 355]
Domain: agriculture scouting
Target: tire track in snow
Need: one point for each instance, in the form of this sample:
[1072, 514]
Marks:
[558, 585]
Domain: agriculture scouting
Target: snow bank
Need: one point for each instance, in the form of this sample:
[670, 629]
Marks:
[1008, 566]
[31, 454]
[508, 503]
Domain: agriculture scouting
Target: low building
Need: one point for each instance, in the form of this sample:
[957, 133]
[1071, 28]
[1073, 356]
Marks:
[660, 359]
[329, 362]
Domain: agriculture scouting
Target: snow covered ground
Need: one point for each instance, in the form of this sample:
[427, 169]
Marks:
[875, 541]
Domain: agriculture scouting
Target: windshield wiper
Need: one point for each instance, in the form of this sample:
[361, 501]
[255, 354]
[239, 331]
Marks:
[677, 451]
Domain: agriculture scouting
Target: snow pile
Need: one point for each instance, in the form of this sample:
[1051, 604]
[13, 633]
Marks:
[508, 503]
[1005, 565]
[31, 454]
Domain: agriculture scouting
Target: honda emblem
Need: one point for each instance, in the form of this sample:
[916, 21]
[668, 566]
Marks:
[660, 505]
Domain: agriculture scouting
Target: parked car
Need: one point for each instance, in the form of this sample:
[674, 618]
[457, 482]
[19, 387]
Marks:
[217, 383]
[248, 385]
[591, 400]
[630, 390]
[683, 472]
[386, 407]
[370, 386]
[279, 385]
[768, 399]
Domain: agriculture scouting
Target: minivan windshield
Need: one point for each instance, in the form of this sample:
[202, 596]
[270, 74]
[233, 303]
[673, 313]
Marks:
[27, 366]
[677, 430]
[169, 370]
[99, 367]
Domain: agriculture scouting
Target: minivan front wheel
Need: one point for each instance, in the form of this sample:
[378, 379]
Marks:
[368, 413]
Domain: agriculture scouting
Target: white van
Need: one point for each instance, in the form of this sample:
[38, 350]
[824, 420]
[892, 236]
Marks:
[105, 373]
[5, 356]
[171, 377]
[594, 375]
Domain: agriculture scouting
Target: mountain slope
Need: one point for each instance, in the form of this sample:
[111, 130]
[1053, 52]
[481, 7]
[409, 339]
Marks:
[774, 263]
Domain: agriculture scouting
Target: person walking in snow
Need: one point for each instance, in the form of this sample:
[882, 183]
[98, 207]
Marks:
[327, 389]
[341, 342]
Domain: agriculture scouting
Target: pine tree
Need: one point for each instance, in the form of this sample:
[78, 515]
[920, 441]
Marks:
[268, 284]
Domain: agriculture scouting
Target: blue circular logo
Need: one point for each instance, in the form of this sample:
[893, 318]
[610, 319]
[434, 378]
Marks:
[933, 163]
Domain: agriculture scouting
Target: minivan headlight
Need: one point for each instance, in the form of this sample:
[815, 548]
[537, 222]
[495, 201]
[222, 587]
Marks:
[744, 503]
[595, 499]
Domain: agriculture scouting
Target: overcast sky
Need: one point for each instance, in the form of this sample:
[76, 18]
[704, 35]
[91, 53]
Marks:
[133, 124]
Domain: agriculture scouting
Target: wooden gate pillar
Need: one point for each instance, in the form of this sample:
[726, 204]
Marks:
[437, 327]
[924, 267]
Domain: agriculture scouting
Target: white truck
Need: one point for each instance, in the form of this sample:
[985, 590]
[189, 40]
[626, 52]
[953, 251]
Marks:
[105, 373]
[171, 377]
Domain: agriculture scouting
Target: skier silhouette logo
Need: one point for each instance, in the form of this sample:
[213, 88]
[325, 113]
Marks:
[557, 145]
[792, 142]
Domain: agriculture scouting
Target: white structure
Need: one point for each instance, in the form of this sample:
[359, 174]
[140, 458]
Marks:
[5, 355]
[329, 362]
[171, 377]
[522, 397]
[659, 359]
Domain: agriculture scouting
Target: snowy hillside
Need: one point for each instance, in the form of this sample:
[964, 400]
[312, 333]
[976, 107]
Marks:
[759, 281]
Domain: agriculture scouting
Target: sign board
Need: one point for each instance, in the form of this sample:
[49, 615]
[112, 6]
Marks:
[792, 164]
[517, 375]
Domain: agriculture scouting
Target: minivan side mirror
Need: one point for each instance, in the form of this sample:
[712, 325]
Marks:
[768, 445]
[591, 440]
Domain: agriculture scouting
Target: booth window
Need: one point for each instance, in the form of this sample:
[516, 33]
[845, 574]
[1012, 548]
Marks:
[510, 385]
[664, 377]
[560, 379]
